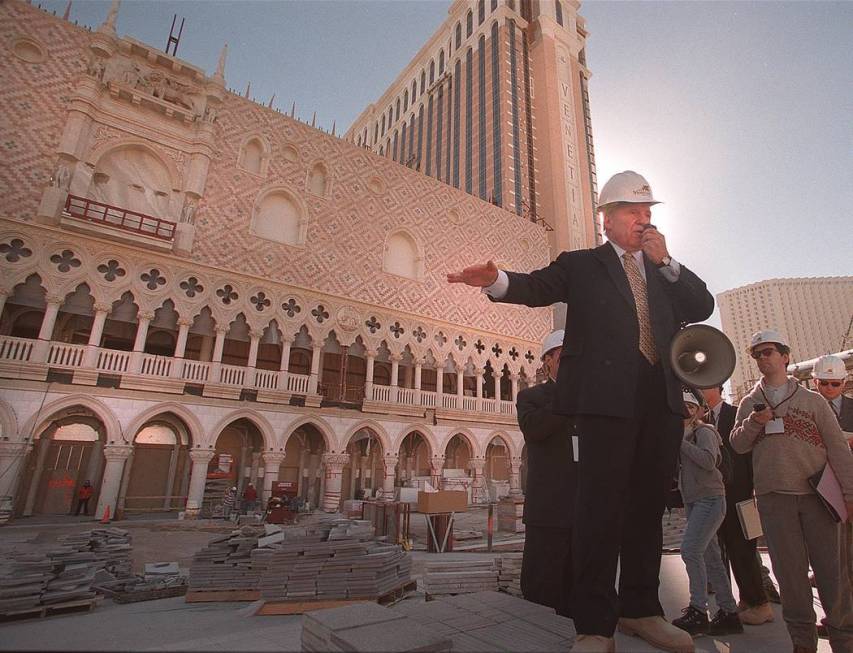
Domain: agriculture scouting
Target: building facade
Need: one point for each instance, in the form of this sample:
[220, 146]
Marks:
[196, 288]
[496, 104]
[815, 314]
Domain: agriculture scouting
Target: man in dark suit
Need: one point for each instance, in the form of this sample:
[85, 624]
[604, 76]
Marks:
[546, 568]
[739, 551]
[625, 302]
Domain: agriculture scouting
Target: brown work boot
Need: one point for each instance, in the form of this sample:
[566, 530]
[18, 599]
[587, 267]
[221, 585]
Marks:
[594, 644]
[658, 632]
[757, 615]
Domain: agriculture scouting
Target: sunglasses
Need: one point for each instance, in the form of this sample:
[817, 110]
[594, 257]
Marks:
[763, 353]
[834, 384]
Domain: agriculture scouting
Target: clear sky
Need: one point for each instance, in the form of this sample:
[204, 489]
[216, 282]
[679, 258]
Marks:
[738, 113]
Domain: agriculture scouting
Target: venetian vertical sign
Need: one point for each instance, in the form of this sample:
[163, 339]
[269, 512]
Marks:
[574, 208]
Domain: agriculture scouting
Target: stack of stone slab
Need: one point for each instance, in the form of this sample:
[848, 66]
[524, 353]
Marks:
[336, 560]
[462, 577]
[509, 573]
[485, 621]
[368, 627]
[511, 514]
[110, 547]
[226, 562]
[23, 579]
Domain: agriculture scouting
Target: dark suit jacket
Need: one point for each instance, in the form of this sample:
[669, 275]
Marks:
[600, 362]
[739, 488]
[551, 471]
[845, 419]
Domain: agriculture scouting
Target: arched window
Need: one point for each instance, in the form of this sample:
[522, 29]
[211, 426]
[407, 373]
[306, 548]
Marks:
[481, 11]
[423, 81]
[383, 124]
[375, 133]
[401, 256]
[431, 72]
[279, 217]
[494, 4]
[394, 150]
[414, 90]
[390, 116]
[405, 100]
[469, 24]
[252, 156]
[511, 4]
[440, 62]
[135, 178]
[397, 110]
[559, 9]
[458, 35]
[318, 180]
[402, 158]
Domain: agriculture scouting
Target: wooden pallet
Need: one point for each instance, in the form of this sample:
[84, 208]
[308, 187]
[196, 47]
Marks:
[273, 608]
[212, 596]
[54, 609]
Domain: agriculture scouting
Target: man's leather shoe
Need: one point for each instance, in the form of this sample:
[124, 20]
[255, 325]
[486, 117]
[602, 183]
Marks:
[594, 644]
[757, 615]
[658, 632]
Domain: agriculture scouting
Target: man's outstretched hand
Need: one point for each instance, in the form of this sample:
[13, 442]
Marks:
[480, 275]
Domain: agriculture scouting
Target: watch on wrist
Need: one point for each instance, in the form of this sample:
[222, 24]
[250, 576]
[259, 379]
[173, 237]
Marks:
[665, 261]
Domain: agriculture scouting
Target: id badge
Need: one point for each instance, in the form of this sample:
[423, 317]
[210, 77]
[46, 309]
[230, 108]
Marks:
[575, 448]
[775, 426]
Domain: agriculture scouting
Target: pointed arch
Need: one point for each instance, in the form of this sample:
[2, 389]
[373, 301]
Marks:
[259, 421]
[190, 420]
[321, 425]
[39, 421]
[377, 428]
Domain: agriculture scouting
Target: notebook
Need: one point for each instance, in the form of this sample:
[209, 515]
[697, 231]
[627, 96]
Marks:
[750, 522]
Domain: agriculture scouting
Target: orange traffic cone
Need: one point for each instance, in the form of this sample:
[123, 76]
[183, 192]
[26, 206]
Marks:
[106, 518]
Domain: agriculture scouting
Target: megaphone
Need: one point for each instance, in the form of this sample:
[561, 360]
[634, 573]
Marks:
[702, 356]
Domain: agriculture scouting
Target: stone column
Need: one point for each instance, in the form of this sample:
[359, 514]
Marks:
[460, 381]
[479, 494]
[116, 455]
[514, 380]
[90, 357]
[254, 343]
[418, 370]
[4, 295]
[515, 476]
[144, 319]
[170, 478]
[436, 465]
[497, 380]
[198, 477]
[180, 348]
[389, 467]
[42, 347]
[284, 363]
[333, 466]
[439, 388]
[368, 376]
[13, 455]
[218, 348]
[395, 377]
[43, 445]
[272, 462]
[314, 379]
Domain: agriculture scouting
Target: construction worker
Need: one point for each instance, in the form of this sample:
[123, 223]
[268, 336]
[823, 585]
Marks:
[793, 435]
[250, 498]
[549, 504]
[83, 495]
[228, 502]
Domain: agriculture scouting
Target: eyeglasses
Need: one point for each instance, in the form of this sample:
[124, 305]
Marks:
[834, 384]
[763, 353]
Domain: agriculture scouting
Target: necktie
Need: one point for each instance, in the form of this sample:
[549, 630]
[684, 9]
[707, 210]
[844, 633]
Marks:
[638, 288]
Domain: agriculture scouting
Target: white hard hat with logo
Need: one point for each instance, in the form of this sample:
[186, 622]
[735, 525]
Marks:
[829, 368]
[626, 186]
[768, 335]
[552, 341]
[689, 398]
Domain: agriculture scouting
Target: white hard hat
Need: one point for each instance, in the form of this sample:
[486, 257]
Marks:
[689, 398]
[626, 186]
[768, 335]
[552, 340]
[830, 368]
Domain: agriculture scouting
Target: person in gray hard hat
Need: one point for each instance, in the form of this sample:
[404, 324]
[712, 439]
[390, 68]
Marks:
[793, 435]
[626, 300]
[546, 568]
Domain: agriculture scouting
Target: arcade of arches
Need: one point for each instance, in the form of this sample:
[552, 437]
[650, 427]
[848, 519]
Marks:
[163, 465]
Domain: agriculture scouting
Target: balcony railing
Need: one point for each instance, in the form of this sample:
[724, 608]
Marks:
[65, 356]
[114, 216]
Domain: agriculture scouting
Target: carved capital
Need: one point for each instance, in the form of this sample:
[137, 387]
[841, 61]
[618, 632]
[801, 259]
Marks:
[14, 449]
[103, 308]
[118, 452]
[477, 465]
[273, 459]
[54, 299]
[436, 463]
[201, 456]
[335, 459]
[184, 322]
[145, 316]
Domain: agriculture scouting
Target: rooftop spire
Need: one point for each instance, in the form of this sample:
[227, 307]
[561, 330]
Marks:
[219, 75]
[109, 25]
[67, 13]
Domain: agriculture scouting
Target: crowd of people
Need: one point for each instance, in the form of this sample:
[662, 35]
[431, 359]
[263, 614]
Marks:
[613, 424]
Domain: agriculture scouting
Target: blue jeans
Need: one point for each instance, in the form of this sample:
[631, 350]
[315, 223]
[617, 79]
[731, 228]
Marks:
[701, 554]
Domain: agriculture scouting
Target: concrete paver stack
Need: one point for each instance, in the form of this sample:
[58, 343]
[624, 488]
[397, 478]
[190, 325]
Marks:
[446, 577]
[509, 573]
